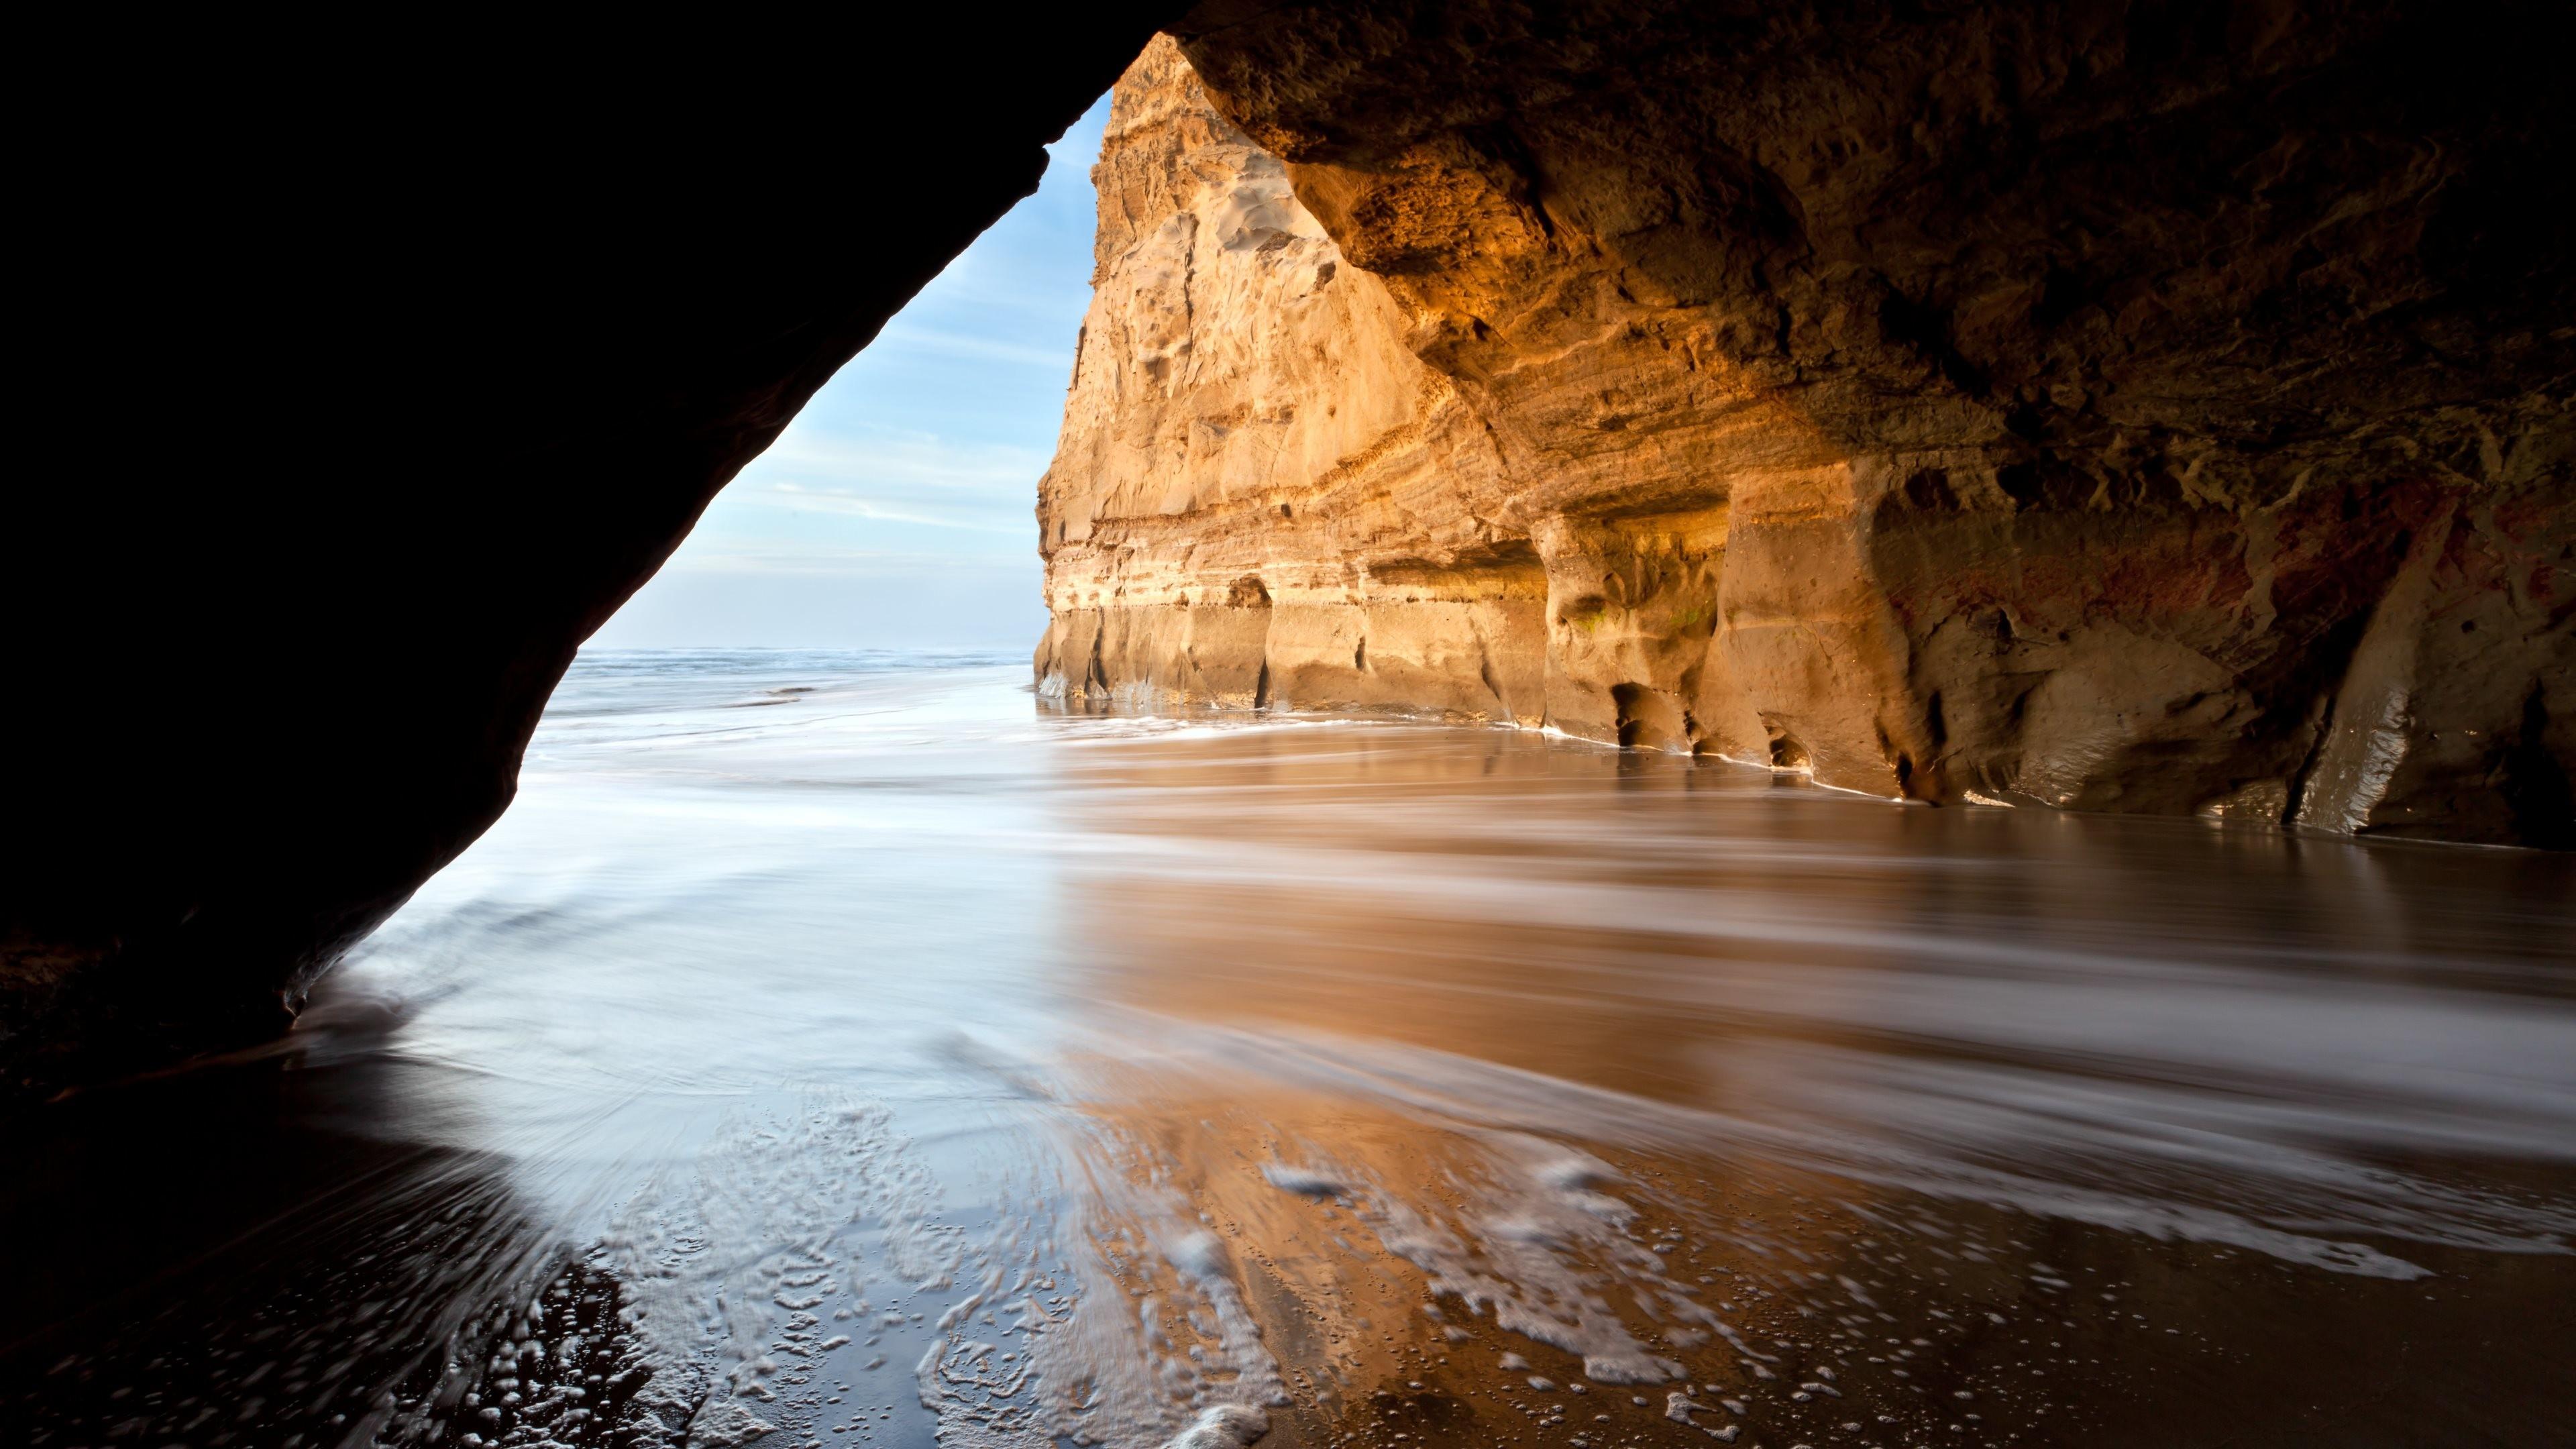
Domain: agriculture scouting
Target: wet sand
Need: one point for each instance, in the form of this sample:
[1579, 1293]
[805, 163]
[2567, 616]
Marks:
[895, 1063]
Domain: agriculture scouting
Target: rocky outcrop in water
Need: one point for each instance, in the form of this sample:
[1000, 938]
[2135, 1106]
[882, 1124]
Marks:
[2126, 408]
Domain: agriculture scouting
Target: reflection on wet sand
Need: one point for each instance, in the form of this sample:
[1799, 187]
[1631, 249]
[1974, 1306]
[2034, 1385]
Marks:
[900, 1069]
[2054, 1129]
[1445, 1274]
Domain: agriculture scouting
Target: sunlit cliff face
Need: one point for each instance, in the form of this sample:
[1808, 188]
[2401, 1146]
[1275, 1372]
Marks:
[2050, 410]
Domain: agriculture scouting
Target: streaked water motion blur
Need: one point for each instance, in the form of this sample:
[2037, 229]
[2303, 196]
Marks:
[846, 1046]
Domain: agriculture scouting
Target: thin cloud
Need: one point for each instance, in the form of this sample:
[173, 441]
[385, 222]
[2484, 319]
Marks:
[852, 504]
[902, 337]
[898, 477]
[753, 556]
[814, 458]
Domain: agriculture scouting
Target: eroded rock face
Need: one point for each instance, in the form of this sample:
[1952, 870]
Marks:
[2133, 408]
[1261, 495]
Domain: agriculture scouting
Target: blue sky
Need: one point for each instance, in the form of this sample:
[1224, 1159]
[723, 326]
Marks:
[896, 509]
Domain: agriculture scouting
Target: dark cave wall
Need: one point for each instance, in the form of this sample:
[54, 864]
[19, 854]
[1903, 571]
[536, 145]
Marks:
[2203, 367]
[370, 374]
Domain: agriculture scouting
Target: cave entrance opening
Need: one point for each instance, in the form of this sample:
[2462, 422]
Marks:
[894, 512]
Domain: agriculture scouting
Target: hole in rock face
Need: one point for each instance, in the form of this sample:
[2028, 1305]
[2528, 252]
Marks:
[1249, 592]
[1929, 489]
[2544, 805]
[2059, 298]
[2020, 482]
[1648, 719]
[2046, 483]
[1787, 753]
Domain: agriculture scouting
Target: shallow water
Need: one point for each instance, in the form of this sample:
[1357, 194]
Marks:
[844, 1043]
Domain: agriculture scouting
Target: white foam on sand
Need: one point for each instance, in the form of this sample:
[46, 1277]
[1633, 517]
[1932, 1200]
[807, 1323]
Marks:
[1081, 1299]
[2258, 1192]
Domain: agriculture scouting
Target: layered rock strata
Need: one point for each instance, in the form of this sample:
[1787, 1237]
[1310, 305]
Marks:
[1261, 496]
[2100, 408]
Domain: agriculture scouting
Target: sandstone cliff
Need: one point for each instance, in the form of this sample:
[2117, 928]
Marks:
[2064, 407]
[1261, 496]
